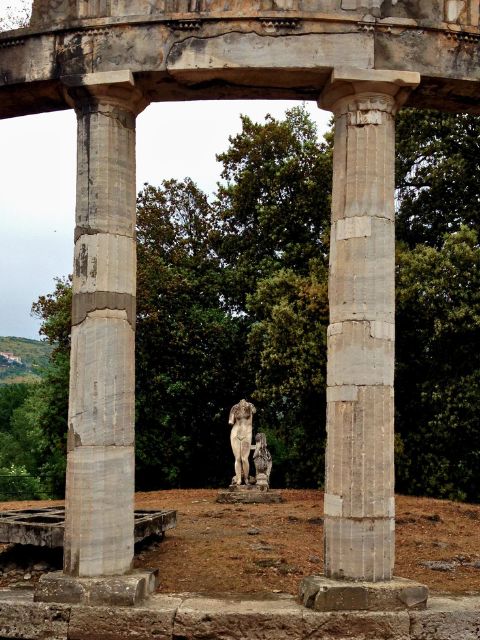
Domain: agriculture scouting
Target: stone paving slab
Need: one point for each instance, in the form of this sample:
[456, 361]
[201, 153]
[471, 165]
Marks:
[186, 616]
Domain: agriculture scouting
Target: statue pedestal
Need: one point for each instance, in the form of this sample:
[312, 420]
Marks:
[249, 494]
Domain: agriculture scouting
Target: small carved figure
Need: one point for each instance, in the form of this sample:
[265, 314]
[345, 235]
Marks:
[241, 419]
[263, 460]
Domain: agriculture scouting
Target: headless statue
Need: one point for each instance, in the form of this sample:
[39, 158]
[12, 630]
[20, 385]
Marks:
[241, 419]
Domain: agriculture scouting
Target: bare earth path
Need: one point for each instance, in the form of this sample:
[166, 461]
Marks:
[255, 548]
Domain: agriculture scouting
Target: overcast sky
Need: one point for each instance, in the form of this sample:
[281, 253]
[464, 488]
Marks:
[37, 189]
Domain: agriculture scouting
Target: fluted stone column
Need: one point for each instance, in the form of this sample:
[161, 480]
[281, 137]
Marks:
[359, 490]
[99, 527]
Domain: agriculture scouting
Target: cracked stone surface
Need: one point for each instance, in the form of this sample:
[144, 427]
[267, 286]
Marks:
[241, 48]
[230, 617]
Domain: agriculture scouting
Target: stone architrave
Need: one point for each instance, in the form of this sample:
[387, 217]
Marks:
[359, 490]
[99, 532]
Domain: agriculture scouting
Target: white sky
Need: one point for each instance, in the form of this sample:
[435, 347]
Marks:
[37, 184]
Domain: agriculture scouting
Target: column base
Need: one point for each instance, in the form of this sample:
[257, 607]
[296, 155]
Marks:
[122, 591]
[326, 594]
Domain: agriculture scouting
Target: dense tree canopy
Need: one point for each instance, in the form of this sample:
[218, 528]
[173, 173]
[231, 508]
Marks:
[189, 349]
[438, 367]
[232, 302]
[438, 305]
[274, 204]
[438, 163]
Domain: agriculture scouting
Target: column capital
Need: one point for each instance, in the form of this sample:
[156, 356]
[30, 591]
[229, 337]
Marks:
[364, 90]
[116, 89]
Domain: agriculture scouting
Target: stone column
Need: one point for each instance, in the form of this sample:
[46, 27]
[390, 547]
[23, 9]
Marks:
[99, 527]
[359, 490]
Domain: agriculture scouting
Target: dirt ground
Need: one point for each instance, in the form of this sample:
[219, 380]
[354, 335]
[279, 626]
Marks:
[254, 548]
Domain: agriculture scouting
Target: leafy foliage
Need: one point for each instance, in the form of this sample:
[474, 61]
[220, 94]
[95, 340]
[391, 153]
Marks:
[187, 346]
[11, 397]
[34, 357]
[438, 162]
[438, 367]
[274, 204]
[232, 302]
[289, 339]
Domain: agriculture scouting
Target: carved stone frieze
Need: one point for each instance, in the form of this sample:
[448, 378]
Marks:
[369, 109]
[185, 25]
[273, 26]
[462, 12]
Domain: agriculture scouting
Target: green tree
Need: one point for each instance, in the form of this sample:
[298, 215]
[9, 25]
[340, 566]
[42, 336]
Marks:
[438, 367]
[38, 427]
[274, 203]
[288, 339]
[438, 163]
[274, 215]
[190, 351]
[11, 397]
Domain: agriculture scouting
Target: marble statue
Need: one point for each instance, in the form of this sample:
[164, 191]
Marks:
[241, 419]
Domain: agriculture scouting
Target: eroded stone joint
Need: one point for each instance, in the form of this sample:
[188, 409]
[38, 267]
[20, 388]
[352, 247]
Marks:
[124, 116]
[85, 303]
[351, 392]
[354, 227]
[92, 231]
[379, 329]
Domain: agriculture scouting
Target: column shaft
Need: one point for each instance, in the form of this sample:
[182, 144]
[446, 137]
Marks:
[99, 527]
[359, 492]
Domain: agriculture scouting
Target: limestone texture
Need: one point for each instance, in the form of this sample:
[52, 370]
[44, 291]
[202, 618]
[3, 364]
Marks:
[364, 58]
[120, 591]
[452, 11]
[232, 617]
[239, 617]
[99, 520]
[138, 623]
[359, 486]
[325, 594]
[241, 48]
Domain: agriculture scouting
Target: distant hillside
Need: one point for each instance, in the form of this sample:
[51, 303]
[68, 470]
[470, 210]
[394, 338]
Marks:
[21, 359]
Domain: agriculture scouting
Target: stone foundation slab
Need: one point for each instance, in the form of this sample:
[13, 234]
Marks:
[121, 591]
[265, 616]
[326, 594]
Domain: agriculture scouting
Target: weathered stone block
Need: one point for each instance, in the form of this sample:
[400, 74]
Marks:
[21, 618]
[108, 623]
[454, 619]
[358, 358]
[241, 616]
[250, 496]
[99, 527]
[325, 594]
[357, 626]
[105, 262]
[106, 193]
[362, 271]
[121, 591]
[362, 549]
[102, 381]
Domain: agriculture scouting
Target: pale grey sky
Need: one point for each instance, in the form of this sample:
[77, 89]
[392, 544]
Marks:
[37, 189]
